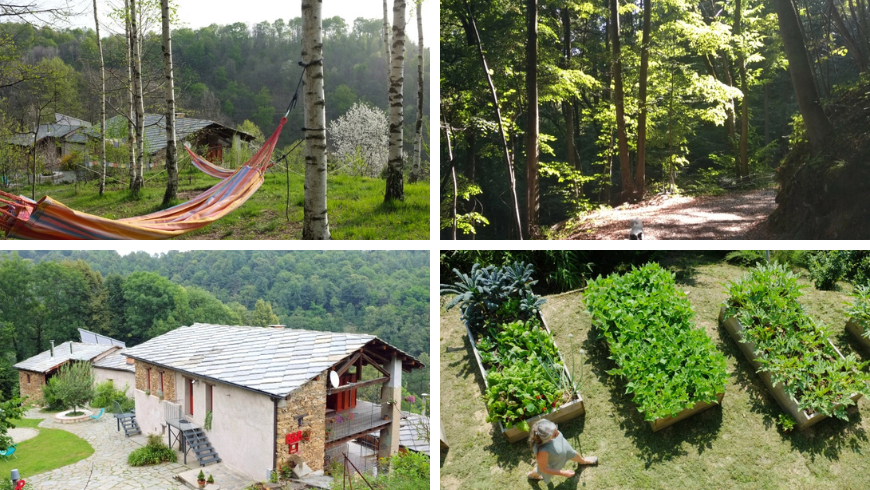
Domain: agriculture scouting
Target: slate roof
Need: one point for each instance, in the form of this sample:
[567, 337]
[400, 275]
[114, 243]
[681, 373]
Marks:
[44, 362]
[155, 129]
[274, 361]
[50, 130]
[116, 361]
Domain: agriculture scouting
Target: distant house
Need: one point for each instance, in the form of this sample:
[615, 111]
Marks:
[56, 140]
[198, 133]
[35, 371]
[269, 395]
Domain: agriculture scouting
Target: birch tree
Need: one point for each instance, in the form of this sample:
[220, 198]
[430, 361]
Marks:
[138, 103]
[102, 103]
[418, 130]
[171, 153]
[315, 225]
[387, 47]
[395, 183]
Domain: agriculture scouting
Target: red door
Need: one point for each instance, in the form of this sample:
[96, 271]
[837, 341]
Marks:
[190, 395]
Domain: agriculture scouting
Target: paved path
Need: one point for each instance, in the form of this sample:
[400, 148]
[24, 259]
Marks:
[22, 434]
[107, 468]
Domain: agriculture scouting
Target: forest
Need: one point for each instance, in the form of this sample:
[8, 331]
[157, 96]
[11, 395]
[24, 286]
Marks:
[48, 295]
[715, 119]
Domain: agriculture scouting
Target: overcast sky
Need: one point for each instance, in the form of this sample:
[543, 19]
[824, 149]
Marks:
[201, 13]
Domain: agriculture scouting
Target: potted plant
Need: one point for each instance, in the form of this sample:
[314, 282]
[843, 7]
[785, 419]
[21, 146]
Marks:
[147, 392]
[160, 394]
[200, 479]
[210, 479]
[306, 435]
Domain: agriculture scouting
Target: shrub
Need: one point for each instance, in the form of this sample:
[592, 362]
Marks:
[669, 364]
[105, 394]
[792, 347]
[155, 452]
[827, 268]
[50, 399]
[859, 310]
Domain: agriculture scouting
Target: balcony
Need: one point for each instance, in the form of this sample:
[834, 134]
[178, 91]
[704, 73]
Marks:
[342, 426]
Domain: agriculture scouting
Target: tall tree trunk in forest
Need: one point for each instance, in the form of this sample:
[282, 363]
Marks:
[504, 143]
[730, 119]
[766, 114]
[395, 162]
[567, 105]
[853, 46]
[452, 171]
[315, 225]
[138, 101]
[131, 119]
[102, 103]
[532, 118]
[818, 126]
[743, 154]
[171, 149]
[640, 170]
[619, 101]
[418, 129]
[387, 49]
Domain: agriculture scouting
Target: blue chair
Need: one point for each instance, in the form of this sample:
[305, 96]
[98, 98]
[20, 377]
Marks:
[97, 416]
[10, 451]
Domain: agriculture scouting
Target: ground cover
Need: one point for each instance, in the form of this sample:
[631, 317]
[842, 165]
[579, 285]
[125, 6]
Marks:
[355, 204]
[738, 446]
[51, 449]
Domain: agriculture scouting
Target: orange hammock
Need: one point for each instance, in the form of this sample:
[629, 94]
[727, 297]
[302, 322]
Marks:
[48, 219]
[207, 167]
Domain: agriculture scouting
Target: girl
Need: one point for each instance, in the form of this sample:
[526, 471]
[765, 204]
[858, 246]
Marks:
[552, 452]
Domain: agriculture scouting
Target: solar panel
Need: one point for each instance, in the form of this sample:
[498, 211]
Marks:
[89, 337]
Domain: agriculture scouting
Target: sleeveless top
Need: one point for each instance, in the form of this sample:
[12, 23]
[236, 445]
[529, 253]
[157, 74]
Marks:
[559, 452]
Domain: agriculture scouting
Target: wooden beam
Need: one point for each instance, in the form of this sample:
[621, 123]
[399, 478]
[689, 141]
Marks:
[360, 384]
[375, 364]
[344, 367]
[376, 357]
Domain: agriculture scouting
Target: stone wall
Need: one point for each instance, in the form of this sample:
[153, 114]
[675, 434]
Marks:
[308, 400]
[33, 390]
[169, 392]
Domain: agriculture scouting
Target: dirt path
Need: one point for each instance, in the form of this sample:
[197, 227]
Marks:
[731, 216]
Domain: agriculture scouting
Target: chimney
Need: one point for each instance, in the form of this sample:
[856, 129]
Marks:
[130, 360]
[70, 347]
[52, 349]
[281, 327]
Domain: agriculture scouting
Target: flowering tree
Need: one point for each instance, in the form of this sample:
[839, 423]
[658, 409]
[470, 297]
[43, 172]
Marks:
[361, 140]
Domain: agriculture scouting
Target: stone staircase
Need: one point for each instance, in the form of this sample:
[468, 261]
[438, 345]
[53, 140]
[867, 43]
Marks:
[196, 440]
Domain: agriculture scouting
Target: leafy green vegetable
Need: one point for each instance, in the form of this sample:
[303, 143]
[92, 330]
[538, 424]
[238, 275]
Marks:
[669, 365]
[792, 347]
[859, 310]
[519, 392]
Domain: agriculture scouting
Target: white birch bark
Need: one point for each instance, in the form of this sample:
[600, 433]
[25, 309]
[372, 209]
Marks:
[315, 225]
[395, 183]
[131, 119]
[138, 101]
[102, 103]
[418, 130]
[387, 46]
[171, 148]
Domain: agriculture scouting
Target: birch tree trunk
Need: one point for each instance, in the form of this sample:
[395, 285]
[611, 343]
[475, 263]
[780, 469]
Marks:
[315, 225]
[138, 103]
[171, 149]
[532, 118]
[387, 48]
[395, 182]
[418, 130]
[131, 119]
[102, 103]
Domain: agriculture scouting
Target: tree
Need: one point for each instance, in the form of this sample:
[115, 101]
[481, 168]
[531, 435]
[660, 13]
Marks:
[361, 139]
[619, 101]
[102, 103]
[171, 149]
[315, 225]
[262, 316]
[75, 385]
[138, 100]
[10, 410]
[395, 179]
[640, 170]
[418, 132]
[532, 118]
[386, 36]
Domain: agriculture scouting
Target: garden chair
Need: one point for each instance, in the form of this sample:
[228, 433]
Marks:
[97, 416]
[10, 451]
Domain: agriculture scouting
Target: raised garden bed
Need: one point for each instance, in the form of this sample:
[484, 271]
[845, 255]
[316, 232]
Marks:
[672, 368]
[806, 374]
[525, 376]
[859, 315]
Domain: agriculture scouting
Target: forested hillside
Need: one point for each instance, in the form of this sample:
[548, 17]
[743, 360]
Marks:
[586, 104]
[49, 294]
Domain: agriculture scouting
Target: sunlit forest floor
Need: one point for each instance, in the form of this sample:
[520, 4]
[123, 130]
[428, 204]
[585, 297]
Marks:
[355, 205]
[740, 215]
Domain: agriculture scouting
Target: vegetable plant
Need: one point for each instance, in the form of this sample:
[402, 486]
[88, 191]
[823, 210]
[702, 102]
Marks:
[786, 422]
[669, 365]
[859, 310]
[790, 345]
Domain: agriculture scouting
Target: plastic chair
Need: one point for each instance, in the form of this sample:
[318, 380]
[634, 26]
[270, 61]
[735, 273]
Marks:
[97, 416]
[10, 451]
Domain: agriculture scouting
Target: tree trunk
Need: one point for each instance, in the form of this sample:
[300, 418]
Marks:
[138, 101]
[818, 127]
[619, 100]
[171, 153]
[852, 44]
[743, 153]
[102, 103]
[395, 182]
[532, 118]
[640, 170]
[452, 171]
[387, 49]
[504, 143]
[766, 114]
[315, 225]
[567, 105]
[131, 120]
[418, 130]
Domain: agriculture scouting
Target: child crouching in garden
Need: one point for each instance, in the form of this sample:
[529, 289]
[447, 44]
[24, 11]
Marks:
[552, 452]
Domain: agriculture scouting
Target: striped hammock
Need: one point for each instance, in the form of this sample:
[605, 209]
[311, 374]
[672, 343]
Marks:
[207, 167]
[48, 219]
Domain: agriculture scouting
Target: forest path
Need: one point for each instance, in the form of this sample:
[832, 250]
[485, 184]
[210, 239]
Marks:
[731, 216]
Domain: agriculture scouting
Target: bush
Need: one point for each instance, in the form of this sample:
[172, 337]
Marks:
[827, 268]
[155, 452]
[360, 138]
[49, 396]
[106, 394]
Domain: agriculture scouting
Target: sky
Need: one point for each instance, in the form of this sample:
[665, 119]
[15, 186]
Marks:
[200, 13]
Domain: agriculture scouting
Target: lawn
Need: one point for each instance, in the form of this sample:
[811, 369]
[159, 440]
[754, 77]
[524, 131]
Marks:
[52, 448]
[735, 446]
[355, 206]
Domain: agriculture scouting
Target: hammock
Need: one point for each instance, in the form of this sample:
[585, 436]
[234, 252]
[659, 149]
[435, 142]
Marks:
[208, 167]
[48, 219]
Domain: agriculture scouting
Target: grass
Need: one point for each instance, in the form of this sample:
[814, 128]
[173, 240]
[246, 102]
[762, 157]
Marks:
[51, 449]
[736, 446]
[355, 206]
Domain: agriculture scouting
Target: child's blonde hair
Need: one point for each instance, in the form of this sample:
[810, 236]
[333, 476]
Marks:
[541, 433]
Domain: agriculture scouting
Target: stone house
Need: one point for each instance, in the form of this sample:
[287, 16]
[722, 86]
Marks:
[256, 398]
[118, 369]
[35, 371]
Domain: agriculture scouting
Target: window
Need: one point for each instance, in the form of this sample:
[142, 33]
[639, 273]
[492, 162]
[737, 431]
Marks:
[148, 375]
[188, 391]
[28, 379]
[161, 381]
[209, 397]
